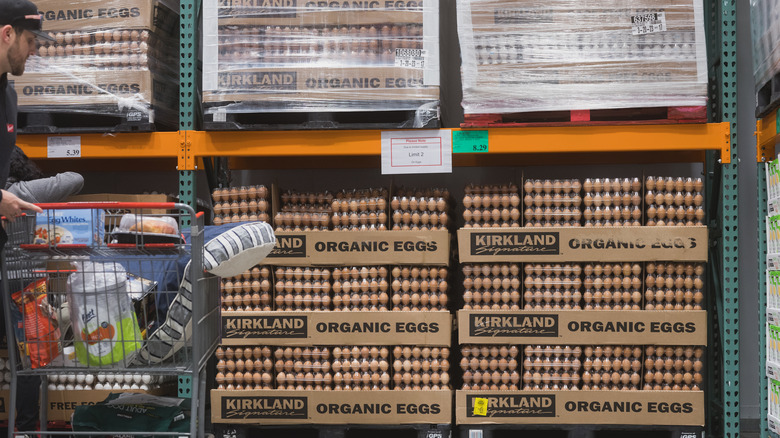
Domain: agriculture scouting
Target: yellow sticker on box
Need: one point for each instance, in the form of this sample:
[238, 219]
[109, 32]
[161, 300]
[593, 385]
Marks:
[480, 406]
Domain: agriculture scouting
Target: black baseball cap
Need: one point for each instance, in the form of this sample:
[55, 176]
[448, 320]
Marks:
[25, 14]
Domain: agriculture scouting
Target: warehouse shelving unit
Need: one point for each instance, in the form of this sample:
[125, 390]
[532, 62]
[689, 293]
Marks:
[767, 137]
[713, 143]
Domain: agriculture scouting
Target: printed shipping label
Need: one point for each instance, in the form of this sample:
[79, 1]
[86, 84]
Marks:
[411, 58]
[644, 24]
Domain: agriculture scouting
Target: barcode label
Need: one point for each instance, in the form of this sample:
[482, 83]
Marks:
[644, 24]
[411, 58]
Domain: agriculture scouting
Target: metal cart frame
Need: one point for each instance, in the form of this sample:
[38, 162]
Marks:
[205, 310]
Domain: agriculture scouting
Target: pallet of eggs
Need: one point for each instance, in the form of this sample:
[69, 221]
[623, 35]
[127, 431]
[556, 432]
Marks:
[333, 368]
[583, 384]
[674, 201]
[241, 204]
[415, 209]
[250, 291]
[491, 206]
[383, 379]
[66, 391]
[346, 210]
[107, 58]
[586, 286]
[320, 57]
[543, 56]
[612, 202]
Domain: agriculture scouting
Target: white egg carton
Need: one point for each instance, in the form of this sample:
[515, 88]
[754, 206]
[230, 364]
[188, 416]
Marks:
[104, 381]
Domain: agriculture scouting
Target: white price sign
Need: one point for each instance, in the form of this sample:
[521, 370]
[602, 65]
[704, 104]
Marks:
[648, 23]
[411, 58]
[63, 147]
[418, 151]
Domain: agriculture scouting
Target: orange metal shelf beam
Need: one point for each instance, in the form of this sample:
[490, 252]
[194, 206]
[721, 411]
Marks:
[629, 138]
[188, 146]
[118, 146]
[766, 137]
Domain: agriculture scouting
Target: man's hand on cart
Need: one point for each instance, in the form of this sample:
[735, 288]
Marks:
[11, 206]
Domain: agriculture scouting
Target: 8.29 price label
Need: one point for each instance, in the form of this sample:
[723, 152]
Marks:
[63, 147]
[469, 142]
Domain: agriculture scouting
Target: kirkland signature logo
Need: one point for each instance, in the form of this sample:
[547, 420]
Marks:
[513, 406]
[526, 325]
[259, 80]
[264, 407]
[248, 327]
[515, 243]
[289, 246]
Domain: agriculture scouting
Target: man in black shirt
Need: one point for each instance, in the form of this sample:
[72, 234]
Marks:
[20, 25]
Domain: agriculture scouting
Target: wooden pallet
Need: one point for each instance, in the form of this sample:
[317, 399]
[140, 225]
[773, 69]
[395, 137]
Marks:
[624, 116]
[88, 119]
[578, 431]
[768, 96]
[284, 121]
[333, 431]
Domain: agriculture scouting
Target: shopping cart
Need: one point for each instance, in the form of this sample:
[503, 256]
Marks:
[90, 287]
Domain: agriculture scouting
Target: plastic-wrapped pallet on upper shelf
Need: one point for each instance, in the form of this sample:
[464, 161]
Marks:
[313, 56]
[765, 29]
[108, 57]
[533, 55]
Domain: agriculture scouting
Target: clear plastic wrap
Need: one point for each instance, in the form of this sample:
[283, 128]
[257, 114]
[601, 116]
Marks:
[320, 56]
[765, 29]
[532, 55]
[108, 57]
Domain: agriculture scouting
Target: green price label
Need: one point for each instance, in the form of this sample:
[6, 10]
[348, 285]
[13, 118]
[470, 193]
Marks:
[469, 142]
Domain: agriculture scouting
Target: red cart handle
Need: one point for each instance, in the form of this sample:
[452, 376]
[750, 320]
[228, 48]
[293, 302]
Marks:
[106, 205]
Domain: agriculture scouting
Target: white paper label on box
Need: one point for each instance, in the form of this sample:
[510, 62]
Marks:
[419, 151]
[63, 147]
[411, 58]
[220, 115]
[648, 23]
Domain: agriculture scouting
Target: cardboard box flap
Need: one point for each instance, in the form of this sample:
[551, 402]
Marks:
[337, 328]
[685, 408]
[331, 407]
[361, 248]
[618, 244]
[614, 327]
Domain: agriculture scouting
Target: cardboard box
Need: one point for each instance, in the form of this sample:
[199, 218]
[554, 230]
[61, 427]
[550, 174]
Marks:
[673, 408]
[86, 15]
[619, 244]
[337, 328]
[61, 404]
[69, 227]
[331, 407]
[370, 15]
[360, 248]
[313, 82]
[85, 88]
[619, 327]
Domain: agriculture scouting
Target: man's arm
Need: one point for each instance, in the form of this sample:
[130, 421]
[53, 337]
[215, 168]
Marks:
[11, 206]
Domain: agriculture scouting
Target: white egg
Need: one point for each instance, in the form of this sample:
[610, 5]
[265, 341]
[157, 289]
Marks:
[7, 376]
[80, 378]
[62, 378]
[89, 379]
[117, 386]
[2, 363]
[99, 386]
[101, 378]
[60, 387]
[71, 378]
[128, 378]
[110, 378]
[146, 378]
[134, 386]
[137, 378]
[69, 387]
[79, 387]
[144, 387]
[125, 386]
[52, 387]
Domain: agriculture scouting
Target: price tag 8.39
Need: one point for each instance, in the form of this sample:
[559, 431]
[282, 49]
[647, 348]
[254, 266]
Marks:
[63, 147]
